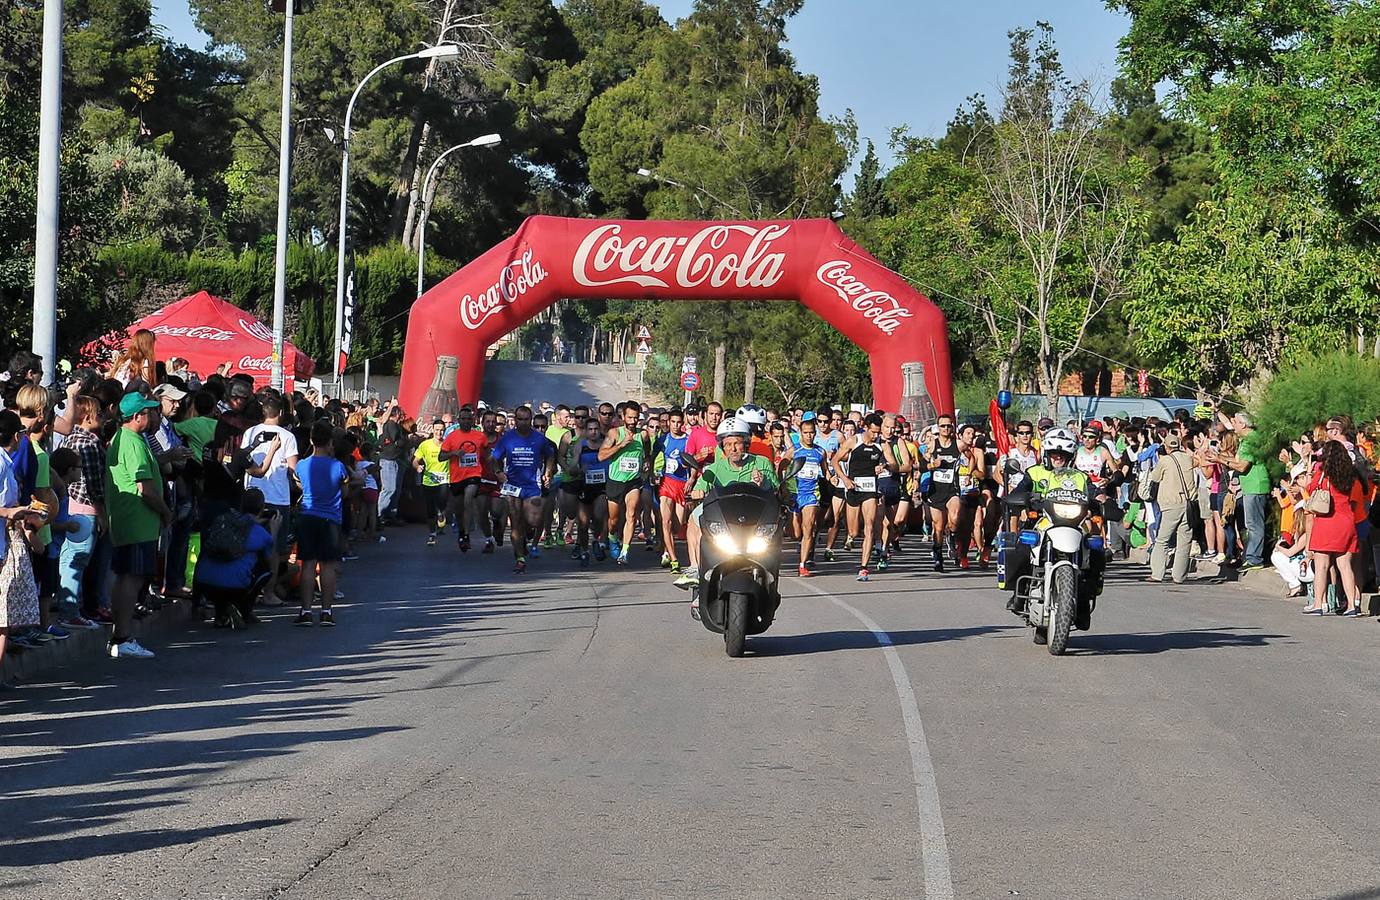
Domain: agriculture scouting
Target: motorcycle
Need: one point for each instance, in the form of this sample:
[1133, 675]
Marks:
[1054, 565]
[740, 561]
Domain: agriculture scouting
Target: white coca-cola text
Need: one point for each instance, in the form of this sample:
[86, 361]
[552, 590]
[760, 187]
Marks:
[256, 329]
[515, 279]
[256, 362]
[201, 332]
[705, 257]
[882, 309]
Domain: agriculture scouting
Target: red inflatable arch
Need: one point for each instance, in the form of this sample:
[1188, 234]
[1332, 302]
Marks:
[807, 260]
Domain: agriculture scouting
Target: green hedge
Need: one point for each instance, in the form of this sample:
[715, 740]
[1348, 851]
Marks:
[142, 274]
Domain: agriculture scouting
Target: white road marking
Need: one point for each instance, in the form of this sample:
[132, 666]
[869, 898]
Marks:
[934, 847]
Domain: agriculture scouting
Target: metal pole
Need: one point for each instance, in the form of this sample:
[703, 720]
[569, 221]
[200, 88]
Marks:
[424, 214]
[46, 225]
[284, 182]
[365, 396]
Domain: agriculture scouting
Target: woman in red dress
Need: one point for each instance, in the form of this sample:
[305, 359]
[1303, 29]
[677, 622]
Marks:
[1333, 538]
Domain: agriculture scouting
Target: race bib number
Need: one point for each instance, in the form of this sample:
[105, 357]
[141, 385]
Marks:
[510, 490]
[809, 471]
[595, 477]
[630, 465]
[866, 484]
[431, 479]
[469, 460]
[944, 476]
[672, 465]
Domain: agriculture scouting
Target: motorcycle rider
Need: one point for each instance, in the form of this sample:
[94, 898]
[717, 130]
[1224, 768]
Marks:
[737, 466]
[1055, 471]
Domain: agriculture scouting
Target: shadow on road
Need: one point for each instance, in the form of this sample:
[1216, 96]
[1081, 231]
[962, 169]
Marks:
[1134, 643]
[831, 641]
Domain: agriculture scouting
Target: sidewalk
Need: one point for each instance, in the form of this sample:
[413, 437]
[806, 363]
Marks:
[85, 645]
[1264, 583]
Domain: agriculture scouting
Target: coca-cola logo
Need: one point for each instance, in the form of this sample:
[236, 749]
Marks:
[256, 329]
[879, 307]
[200, 332]
[710, 256]
[256, 362]
[515, 279]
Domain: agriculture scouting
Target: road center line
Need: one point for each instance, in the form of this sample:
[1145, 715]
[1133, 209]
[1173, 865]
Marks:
[934, 847]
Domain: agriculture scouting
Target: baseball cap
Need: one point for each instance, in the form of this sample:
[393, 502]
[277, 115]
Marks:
[169, 392]
[134, 403]
[693, 409]
[808, 416]
[1171, 441]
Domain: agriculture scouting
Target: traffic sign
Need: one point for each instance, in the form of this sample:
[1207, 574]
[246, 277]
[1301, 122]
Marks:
[689, 364]
[644, 333]
[689, 381]
[643, 348]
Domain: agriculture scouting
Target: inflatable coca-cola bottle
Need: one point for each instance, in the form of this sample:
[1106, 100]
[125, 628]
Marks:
[441, 397]
[916, 404]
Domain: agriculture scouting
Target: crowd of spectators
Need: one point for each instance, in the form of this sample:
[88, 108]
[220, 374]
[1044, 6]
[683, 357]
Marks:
[144, 484]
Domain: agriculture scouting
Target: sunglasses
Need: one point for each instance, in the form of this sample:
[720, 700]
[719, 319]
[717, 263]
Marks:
[1025, 432]
[946, 424]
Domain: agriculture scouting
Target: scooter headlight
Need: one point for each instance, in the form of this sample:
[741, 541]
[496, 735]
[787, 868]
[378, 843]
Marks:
[757, 544]
[725, 543]
[1067, 512]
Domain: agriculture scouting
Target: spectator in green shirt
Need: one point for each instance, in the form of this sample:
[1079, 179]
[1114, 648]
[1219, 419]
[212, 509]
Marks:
[134, 501]
[1254, 479]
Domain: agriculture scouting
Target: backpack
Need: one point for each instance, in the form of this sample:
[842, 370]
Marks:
[226, 536]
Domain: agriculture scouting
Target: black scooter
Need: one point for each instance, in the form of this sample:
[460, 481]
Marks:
[740, 561]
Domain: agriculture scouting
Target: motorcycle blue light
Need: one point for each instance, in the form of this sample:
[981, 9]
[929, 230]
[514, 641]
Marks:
[1029, 538]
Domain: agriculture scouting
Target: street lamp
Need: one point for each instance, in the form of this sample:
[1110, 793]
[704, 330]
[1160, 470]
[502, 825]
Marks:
[487, 140]
[694, 192]
[441, 51]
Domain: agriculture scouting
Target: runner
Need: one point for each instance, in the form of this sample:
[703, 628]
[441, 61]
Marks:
[863, 459]
[492, 507]
[435, 472]
[464, 448]
[586, 479]
[812, 475]
[943, 460]
[1011, 473]
[889, 489]
[528, 461]
[626, 454]
[674, 510]
[845, 432]
[558, 432]
[704, 442]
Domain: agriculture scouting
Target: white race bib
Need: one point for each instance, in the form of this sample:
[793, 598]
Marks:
[469, 460]
[672, 466]
[510, 490]
[944, 476]
[595, 477]
[630, 465]
[809, 471]
[866, 484]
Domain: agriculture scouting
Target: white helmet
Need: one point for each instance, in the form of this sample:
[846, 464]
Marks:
[731, 427]
[751, 414]
[1059, 440]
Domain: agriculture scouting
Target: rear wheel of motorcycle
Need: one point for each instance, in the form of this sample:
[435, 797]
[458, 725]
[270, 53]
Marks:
[1065, 596]
[735, 635]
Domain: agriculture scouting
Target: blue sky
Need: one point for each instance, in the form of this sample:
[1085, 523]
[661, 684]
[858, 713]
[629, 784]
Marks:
[896, 62]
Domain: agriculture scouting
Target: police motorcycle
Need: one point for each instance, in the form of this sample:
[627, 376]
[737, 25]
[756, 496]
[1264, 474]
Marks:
[1054, 561]
[740, 554]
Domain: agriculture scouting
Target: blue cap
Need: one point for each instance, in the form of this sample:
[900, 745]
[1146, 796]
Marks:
[808, 416]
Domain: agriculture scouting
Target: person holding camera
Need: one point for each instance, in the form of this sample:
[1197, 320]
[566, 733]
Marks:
[236, 560]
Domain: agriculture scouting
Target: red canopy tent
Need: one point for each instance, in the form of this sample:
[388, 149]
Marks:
[207, 331]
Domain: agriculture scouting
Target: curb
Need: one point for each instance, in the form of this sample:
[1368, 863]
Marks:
[86, 645]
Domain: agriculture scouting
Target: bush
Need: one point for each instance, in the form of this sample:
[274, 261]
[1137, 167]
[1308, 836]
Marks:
[1312, 389]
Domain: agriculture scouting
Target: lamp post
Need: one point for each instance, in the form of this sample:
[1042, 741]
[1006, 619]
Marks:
[442, 51]
[46, 219]
[694, 192]
[275, 375]
[487, 140]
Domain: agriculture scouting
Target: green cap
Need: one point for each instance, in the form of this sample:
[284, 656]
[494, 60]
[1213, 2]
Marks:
[134, 403]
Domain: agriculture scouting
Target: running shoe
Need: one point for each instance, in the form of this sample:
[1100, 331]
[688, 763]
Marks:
[599, 552]
[130, 649]
[536, 552]
[615, 548]
[327, 619]
[688, 578]
[81, 623]
[675, 566]
[549, 542]
[498, 539]
[58, 632]
[963, 562]
[488, 546]
[666, 560]
[584, 559]
[622, 558]
[848, 544]
[431, 540]
[806, 573]
[520, 567]
[304, 619]
[883, 563]
[649, 546]
[862, 575]
[985, 559]
[829, 554]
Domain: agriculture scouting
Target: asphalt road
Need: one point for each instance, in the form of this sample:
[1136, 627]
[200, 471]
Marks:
[509, 384]
[570, 734]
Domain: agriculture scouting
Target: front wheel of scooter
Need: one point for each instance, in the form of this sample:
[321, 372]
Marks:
[735, 635]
